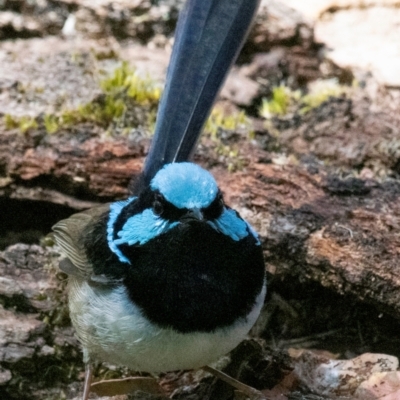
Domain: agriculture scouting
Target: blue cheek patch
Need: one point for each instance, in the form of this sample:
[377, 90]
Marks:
[115, 210]
[233, 226]
[254, 233]
[143, 227]
[137, 229]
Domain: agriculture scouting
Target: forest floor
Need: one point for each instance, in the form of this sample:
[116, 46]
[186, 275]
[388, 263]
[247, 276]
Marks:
[304, 141]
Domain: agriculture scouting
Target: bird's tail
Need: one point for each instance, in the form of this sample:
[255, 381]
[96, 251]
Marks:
[208, 38]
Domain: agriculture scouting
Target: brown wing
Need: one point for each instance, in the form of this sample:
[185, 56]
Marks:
[67, 234]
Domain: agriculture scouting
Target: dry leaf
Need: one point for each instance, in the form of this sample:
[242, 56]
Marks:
[380, 386]
[341, 377]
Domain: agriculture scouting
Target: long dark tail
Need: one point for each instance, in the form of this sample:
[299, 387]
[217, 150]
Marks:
[208, 38]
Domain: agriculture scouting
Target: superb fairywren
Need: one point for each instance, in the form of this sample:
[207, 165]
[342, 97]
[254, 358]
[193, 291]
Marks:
[171, 278]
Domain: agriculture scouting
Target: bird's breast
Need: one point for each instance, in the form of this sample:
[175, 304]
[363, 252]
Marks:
[113, 329]
[195, 279]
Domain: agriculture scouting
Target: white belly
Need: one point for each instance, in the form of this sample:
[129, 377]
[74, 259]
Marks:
[112, 329]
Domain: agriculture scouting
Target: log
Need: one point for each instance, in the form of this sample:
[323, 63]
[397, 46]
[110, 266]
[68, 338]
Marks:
[314, 225]
[321, 188]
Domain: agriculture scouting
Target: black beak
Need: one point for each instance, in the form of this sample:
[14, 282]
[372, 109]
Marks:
[193, 214]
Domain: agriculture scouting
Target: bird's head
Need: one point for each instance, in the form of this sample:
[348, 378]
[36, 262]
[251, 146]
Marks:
[180, 194]
[186, 191]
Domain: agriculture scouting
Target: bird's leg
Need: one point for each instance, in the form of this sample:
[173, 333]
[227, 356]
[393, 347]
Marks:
[88, 381]
[249, 391]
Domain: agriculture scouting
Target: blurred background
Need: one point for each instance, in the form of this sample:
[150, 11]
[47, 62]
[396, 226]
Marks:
[304, 141]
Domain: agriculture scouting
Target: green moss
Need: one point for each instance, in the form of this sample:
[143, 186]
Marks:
[24, 123]
[127, 100]
[320, 92]
[284, 100]
[10, 122]
[219, 129]
[220, 120]
[122, 92]
[51, 123]
[125, 79]
[230, 154]
[102, 112]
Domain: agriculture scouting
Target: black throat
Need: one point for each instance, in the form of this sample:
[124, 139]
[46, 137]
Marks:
[191, 278]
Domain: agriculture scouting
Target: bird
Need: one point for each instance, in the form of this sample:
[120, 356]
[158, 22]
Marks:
[170, 278]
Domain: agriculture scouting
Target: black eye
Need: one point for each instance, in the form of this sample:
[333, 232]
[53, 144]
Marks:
[214, 210]
[158, 207]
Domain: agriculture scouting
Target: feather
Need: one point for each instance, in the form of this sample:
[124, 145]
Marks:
[209, 36]
[68, 233]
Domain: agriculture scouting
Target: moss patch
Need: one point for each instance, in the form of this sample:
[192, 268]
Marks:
[284, 100]
[126, 101]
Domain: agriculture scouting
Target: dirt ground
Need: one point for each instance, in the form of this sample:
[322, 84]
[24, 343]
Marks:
[304, 142]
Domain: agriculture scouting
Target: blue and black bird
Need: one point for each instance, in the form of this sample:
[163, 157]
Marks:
[171, 278]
